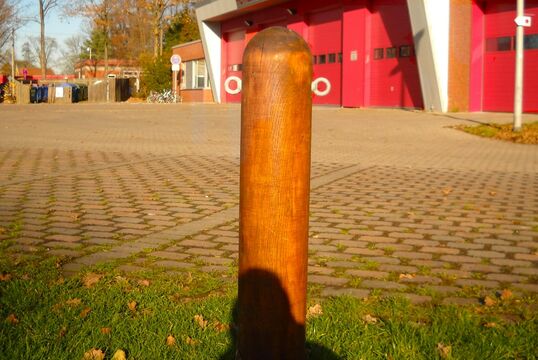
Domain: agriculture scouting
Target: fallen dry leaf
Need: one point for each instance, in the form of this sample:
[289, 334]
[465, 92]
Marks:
[12, 319]
[143, 282]
[489, 301]
[490, 324]
[132, 305]
[2, 230]
[106, 330]
[406, 276]
[314, 311]
[74, 302]
[94, 354]
[220, 327]
[119, 355]
[91, 279]
[493, 193]
[447, 191]
[84, 313]
[506, 294]
[369, 319]
[199, 319]
[191, 341]
[444, 350]
[5, 277]
[170, 340]
[60, 281]
[63, 331]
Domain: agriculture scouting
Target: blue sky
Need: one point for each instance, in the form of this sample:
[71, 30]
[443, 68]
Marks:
[56, 26]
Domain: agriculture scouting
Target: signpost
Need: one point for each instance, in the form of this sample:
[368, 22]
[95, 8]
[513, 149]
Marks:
[175, 60]
[276, 113]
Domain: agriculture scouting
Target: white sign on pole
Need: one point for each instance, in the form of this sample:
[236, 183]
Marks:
[524, 21]
[175, 59]
[175, 67]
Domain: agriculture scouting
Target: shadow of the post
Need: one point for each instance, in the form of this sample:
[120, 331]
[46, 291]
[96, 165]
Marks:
[264, 328]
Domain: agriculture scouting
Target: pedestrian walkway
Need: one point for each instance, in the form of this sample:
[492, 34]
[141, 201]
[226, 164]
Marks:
[401, 202]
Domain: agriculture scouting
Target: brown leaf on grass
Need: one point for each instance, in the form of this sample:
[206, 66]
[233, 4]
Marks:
[314, 311]
[12, 319]
[190, 341]
[369, 319]
[106, 330]
[73, 302]
[489, 301]
[506, 294]
[132, 305]
[91, 279]
[220, 327]
[63, 331]
[119, 355]
[84, 313]
[143, 282]
[2, 230]
[5, 277]
[199, 319]
[490, 325]
[406, 276]
[60, 281]
[444, 350]
[94, 354]
[170, 340]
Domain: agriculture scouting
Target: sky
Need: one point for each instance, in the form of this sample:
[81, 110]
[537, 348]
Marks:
[56, 26]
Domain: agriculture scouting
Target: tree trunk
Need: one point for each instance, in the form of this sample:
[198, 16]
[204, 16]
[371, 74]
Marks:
[42, 58]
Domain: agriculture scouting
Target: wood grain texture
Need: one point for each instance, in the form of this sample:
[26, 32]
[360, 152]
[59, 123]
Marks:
[276, 113]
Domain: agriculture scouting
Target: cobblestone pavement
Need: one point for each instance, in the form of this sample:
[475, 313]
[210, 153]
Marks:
[401, 203]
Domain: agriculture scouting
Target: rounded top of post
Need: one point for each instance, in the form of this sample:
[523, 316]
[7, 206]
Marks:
[277, 39]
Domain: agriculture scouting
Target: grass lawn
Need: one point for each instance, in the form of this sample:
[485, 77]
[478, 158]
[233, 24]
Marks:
[189, 316]
[528, 134]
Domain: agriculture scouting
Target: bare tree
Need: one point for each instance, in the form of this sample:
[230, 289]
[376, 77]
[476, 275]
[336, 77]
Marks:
[36, 47]
[72, 54]
[9, 21]
[45, 6]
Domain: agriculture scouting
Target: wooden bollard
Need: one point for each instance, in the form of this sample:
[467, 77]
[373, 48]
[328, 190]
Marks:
[276, 112]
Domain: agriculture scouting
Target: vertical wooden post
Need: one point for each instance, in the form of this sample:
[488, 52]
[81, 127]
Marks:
[276, 113]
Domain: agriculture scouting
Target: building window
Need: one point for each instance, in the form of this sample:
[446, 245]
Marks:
[332, 58]
[322, 59]
[195, 75]
[378, 53]
[530, 42]
[391, 53]
[503, 43]
[405, 51]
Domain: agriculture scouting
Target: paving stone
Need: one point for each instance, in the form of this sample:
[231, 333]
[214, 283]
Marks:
[403, 269]
[421, 279]
[198, 243]
[379, 284]
[526, 271]
[327, 280]
[443, 289]
[412, 255]
[61, 244]
[73, 267]
[169, 255]
[312, 269]
[452, 272]
[529, 257]
[200, 251]
[343, 264]
[511, 262]
[460, 259]
[334, 292]
[66, 238]
[215, 260]
[173, 264]
[214, 268]
[476, 282]
[485, 254]
[413, 298]
[440, 250]
[505, 277]
[368, 274]
[526, 287]
[131, 268]
[101, 241]
[364, 252]
[65, 252]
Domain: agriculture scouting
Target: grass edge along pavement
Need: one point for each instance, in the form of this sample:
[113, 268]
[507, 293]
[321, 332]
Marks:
[189, 315]
[527, 135]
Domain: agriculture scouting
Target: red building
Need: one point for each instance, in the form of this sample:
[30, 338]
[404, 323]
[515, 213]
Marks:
[440, 55]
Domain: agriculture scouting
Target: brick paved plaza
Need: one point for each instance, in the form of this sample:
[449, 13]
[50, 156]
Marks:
[400, 203]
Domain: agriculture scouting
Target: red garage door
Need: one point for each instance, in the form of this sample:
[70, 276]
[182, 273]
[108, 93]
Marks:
[235, 45]
[499, 57]
[325, 40]
[394, 73]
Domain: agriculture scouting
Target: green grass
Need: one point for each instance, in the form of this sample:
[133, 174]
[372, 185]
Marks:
[51, 324]
[528, 134]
